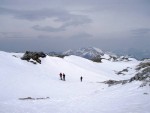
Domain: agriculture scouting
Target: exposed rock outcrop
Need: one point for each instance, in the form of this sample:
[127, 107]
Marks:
[114, 82]
[34, 56]
[143, 72]
[30, 98]
[122, 72]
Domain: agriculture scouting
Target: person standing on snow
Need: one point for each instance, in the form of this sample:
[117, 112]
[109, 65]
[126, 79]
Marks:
[60, 76]
[64, 76]
[81, 78]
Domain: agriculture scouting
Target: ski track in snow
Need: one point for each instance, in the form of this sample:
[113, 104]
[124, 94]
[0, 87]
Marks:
[21, 79]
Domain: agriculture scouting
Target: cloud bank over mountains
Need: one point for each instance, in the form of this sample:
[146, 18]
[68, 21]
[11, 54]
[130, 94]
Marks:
[60, 25]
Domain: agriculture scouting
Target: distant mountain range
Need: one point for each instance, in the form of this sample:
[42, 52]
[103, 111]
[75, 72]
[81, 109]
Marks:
[92, 53]
[88, 53]
[138, 54]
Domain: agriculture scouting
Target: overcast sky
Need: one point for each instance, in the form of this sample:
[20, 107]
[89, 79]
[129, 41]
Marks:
[59, 25]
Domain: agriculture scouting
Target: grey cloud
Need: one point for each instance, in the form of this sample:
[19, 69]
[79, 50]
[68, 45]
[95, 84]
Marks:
[138, 6]
[76, 20]
[79, 36]
[32, 15]
[82, 35]
[48, 28]
[73, 20]
[111, 24]
[141, 31]
[61, 15]
[8, 34]
[49, 43]
[14, 35]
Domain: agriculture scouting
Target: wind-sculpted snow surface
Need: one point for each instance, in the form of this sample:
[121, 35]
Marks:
[29, 88]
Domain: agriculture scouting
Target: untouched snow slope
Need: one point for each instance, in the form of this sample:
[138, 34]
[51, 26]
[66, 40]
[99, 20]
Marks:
[22, 79]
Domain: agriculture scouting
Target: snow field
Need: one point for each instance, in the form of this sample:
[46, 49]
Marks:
[21, 79]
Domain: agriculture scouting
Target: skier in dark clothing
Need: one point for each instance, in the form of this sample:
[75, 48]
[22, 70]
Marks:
[64, 76]
[81, 78]
[60, 76]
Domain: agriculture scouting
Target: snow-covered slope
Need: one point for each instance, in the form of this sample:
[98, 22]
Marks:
[22, 79]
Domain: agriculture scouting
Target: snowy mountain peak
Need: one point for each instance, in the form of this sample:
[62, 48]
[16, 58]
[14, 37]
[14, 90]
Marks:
[89, 53]
[96, 54]
[68, 52]
[96, 49]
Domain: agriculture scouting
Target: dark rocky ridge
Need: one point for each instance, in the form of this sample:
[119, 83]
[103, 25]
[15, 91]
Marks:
[142, 74]
[34, 56]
